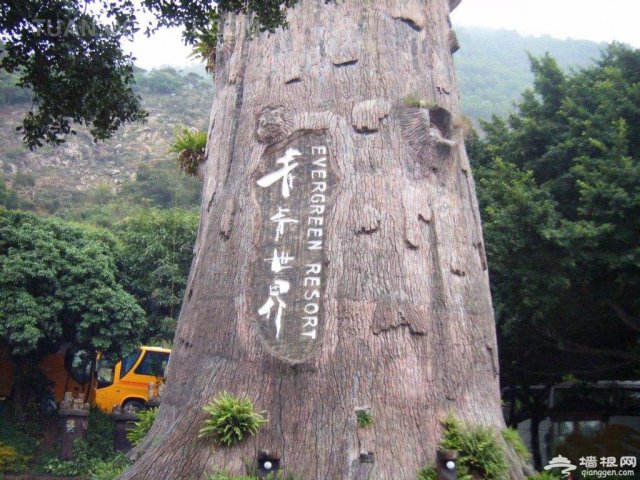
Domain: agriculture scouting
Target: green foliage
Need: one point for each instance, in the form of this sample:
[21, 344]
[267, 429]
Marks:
[270, 476]
[72, 59]
[479, 449]
[493, 69]
[428, 473]
[163, 81]
[158, 186]
[23, 179]
[231, 419]
[142, 425]
[8, 196]
[155, 257]
[94, 457]
[189, 145]
[225, 476]
[19, 441]
[364, 418]
[415, 101]
[544, 476]
[99, 437]
[10, 92]
[559, 190]
[74, 65]
[513, 438]
[109, 470]
[58, 283]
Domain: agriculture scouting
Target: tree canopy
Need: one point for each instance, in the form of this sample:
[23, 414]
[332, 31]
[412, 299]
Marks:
[58, 282]
[559, 188]
[68, 53]
[155, 256]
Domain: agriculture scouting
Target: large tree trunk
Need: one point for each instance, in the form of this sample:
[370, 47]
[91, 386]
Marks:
[387, 305]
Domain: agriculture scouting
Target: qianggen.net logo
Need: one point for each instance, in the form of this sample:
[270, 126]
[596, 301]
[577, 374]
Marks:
[594, 467]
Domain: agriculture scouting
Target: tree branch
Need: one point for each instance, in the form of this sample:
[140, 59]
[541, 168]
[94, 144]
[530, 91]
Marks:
[633, 323]
[570, 346]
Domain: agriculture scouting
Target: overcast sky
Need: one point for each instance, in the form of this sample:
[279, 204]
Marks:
[598, 20]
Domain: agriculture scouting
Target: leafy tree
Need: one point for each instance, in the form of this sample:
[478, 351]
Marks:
[559, 188]
[71, 58]
[8, 196]
[162, 186]
[155, 257]
[58, 283]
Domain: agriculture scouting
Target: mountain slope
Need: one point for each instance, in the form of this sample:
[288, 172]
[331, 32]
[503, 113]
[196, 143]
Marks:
[493, 67]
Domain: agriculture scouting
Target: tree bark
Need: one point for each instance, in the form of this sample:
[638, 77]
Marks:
[386, 292]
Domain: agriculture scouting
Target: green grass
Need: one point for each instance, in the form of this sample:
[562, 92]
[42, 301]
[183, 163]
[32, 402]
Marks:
[415, 101]
[231, 420]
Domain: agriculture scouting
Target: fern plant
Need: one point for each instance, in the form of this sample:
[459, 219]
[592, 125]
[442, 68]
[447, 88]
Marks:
[513, 438]
[364, 418]
[190, 146]
[428, 473]
[142, 425]
[231, 419]
[479, 449]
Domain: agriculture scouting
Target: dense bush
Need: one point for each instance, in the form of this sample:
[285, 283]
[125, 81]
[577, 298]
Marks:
[19, 440]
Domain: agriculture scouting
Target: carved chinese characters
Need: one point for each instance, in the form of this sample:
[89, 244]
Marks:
[292, 190]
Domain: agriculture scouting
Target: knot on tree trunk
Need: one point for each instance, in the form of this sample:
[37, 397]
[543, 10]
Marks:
[274, 124]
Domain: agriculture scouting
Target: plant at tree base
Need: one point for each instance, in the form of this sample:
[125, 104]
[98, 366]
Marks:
[269, 476]
[513, 438]
[109, 470]
[546, 476]
[428, 473]
[142, 425]
[231, 420]
[189, 145]
[479, 449]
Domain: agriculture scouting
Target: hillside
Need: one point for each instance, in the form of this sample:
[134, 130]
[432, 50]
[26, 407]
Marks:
[493, 70]
[52, 177]
[493, 66]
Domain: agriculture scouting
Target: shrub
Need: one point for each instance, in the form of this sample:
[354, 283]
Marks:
[11, 461]
[224, 476]
[428, 473]
[109, 470]
[19, 440]
[189, 145]
[364, 418]
[479, 450]
[230, 419]
[545, 476]
[513, 438]
[99, 437]
[142, 426]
